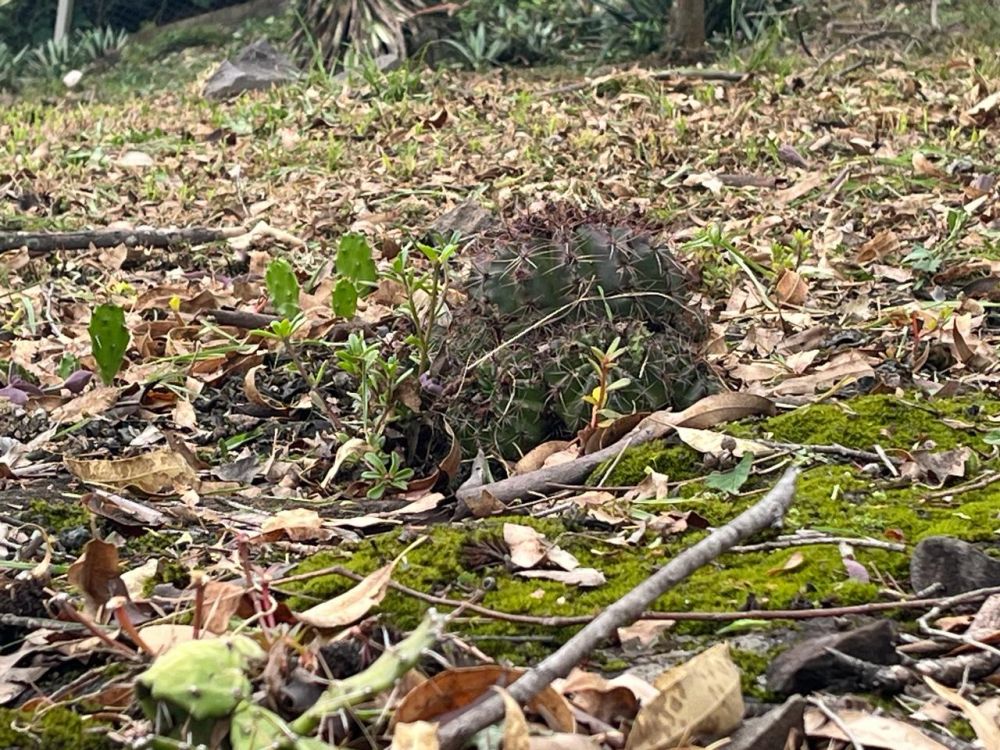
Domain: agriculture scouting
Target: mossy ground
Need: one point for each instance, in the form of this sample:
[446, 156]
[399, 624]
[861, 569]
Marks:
[831, 497]
[57, 729]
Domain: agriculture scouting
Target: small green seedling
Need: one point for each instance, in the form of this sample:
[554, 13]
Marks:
[108, 340]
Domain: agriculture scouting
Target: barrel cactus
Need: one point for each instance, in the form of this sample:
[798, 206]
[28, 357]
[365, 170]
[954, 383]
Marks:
[543, 292]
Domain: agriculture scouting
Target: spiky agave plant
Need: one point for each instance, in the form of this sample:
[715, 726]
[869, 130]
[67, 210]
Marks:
[330, 28]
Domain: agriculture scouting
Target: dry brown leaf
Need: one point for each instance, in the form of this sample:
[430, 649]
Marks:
[95, 573]
[564, 741]
[654, 485]
[924, 167]
[795, 561]
[643, 632]
[135, 580]
[527, 546]
[799, 189]
[297, 524]
[986, 729]
[156, 472]
[221, 600]
[698, 699]
[869, 730]
[847, 366]
[184, 415]
[353, 604]
[722, 407]
[583, 577]
[791, 289]
[706, 441]
[90, 404]
[515, 726]
[254, 394]
[415, 735]
[535, 458]
[161, 638]
[457, 687]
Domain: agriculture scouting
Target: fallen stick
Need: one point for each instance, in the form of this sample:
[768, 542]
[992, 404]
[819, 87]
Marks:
[704, 414]
[43, 242]
[733, 76]
[766, 512]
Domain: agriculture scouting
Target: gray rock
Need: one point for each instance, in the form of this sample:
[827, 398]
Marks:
[467, 218]
[807, 667]
[258, 66]
[771, 731]
[958, 566]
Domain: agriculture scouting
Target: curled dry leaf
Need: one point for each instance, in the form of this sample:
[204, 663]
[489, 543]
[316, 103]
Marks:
[795, 561]
[698, 699]
[654, 485]
[791, 288]
[354, 604]
[515, 726]
[456, 688]
[162, 638]
[256, 397]
[527, 546]
[95, 574]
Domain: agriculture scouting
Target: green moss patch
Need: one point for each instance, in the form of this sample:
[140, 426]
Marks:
[57, 728]
[831, 497]
[888, 421]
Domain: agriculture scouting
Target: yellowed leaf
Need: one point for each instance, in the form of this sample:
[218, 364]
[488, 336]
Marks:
[869, 730]
[353, 604]
[986, 729]
[163, 470]
[794, 561]
[89, 404]
[527, 546]
[415, 735]
[706, 441]
[536, 457]
[700, 698]
[515, 726]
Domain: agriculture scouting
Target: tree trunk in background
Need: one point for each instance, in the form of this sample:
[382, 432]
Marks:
[687, 25]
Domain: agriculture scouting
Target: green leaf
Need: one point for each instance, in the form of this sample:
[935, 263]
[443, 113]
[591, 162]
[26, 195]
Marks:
[108, 339]
[283, 287]
[922, 258]
[354, 259]
[743, 625]
[992, 437]
[344, 298]
[731, 481]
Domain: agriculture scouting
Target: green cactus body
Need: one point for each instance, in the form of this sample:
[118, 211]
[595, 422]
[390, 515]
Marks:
[542, 300]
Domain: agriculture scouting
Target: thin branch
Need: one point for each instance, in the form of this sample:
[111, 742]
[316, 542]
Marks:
[768, 511]
[795, 541]
[732, 76]
[43, 242]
